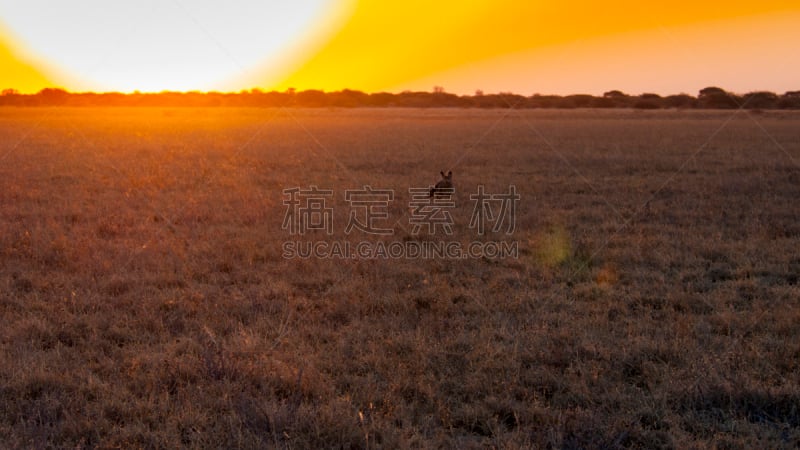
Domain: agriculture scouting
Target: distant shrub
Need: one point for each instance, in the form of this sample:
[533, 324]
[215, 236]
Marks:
[646, 104]
[544, 101]
[312, 98]
[679, 101]
[760, 100]
[788, 103]
[579, 100]
[717, 98]
[604, 102]
[615, 94]
[710, 97]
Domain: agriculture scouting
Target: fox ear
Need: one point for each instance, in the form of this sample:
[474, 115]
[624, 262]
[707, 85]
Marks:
[450, 173]
[442, 172]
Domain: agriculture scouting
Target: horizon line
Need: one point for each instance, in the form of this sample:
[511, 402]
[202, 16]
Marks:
[435, 90]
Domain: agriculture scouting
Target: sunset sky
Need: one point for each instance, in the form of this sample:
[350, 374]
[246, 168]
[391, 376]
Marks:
[525, 47]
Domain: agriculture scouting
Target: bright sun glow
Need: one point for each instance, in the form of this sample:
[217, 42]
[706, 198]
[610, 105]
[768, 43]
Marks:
[154, 45]
[569, 46]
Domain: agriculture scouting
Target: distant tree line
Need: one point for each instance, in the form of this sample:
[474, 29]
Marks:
[708, 98]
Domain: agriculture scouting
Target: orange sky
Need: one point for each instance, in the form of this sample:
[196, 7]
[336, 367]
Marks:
[15, 72]
[521, 46]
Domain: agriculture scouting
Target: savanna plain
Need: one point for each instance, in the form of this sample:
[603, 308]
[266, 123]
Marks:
[146, 300]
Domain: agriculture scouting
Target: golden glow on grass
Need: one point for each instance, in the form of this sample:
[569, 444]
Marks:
[554, 246]
[413, 44]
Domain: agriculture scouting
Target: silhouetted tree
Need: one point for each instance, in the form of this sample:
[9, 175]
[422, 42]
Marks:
[348, 98]
[382, 99]
[490, 101]
[544, 101]
[312, 98]
[790, 100]
[614, 94]
[648, 101]
[604, 102]
[613, 99]
[52, 96]
[711, 90]
[577, 101]
[511, 100]
[10, 97]
[646, 104]
[760, 100]
[679, 101]
[717, 98]
[274, 98]
[710, 97]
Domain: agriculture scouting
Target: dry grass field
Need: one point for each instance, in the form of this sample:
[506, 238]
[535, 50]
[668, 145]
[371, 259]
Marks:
[145, 301]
